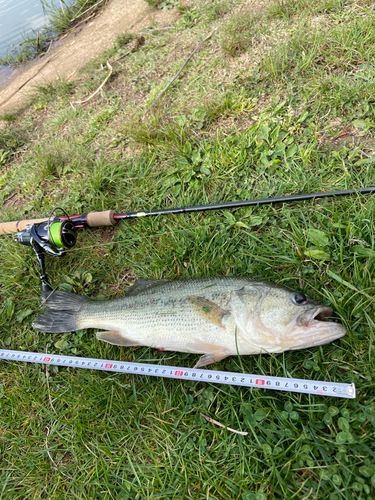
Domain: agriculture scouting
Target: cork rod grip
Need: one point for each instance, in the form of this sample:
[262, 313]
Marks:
[14, 227]
[93, 219]
[97, 219]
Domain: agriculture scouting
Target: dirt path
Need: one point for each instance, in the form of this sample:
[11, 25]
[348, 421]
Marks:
[82, 44]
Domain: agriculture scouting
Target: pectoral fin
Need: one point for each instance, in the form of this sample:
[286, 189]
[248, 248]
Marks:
[208, 310]
[115, 338]
[213, 353]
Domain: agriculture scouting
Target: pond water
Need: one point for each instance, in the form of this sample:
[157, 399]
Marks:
[19, 19]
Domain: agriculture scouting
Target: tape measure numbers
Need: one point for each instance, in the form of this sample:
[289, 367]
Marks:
[334, 389]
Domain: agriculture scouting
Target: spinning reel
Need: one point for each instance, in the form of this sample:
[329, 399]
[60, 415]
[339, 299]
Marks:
[48, 238]
[53, 236]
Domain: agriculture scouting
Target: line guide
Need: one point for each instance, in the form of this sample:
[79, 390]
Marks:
[338, 390]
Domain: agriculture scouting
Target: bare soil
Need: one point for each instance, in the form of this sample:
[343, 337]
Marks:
[88, 40]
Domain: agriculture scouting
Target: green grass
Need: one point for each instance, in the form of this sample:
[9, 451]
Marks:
[123, 39]
[296, 117]
[241, 30]
[290, 8]
[46, 93]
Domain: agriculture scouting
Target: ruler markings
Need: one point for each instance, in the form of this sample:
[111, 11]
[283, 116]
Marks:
[175, 372]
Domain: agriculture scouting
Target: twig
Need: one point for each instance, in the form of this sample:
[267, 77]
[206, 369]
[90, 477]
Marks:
[43, 301]
[156, 29]
[50, 45]
[139, 41]
[340, 135]
[64, 36]
[79, 10]
[83, 21]
[209, 419]
[71, 74]
[170, 409]
[345, 368]
[178, 73]
[123, 55]
[27, 81]
[98, 89]
[87, 10]
[12, 195]
[52, 460]
[365, 154]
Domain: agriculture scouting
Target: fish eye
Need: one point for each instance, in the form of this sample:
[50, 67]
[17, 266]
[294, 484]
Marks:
[299, 298]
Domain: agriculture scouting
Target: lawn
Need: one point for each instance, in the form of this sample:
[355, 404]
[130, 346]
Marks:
[280, 100]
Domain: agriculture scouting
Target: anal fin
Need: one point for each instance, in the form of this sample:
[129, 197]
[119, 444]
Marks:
[115, 338]
[209, 358]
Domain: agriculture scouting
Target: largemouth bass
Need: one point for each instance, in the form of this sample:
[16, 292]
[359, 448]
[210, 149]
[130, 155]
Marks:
[216, 317]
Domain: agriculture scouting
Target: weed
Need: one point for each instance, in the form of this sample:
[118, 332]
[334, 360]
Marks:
[217, 9]
[63, 16]
[290, 8]
[329, 63]
[14, 138]
[165, 135]
[190, 15]
[63, 117]
[240, 30]
[3, 157]
[122, 39]
[163, 4]
[42, 94]
[60, 157]
[17, 57]
[8, 117]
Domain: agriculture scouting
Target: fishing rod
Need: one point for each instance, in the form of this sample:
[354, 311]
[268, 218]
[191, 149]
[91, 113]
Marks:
[110, 218]
[55, 234]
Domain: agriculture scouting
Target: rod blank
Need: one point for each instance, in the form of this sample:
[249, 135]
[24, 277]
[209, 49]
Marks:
[246, 203]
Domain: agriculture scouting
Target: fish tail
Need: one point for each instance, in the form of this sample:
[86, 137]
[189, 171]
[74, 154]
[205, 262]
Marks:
[62, 313]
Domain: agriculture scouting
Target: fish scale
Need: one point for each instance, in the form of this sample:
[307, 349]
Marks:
[164, 311]
[216, 317]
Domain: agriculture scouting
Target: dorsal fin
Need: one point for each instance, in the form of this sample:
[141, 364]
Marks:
[141, 285]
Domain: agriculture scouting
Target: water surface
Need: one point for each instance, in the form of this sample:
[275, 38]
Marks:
[18, 19]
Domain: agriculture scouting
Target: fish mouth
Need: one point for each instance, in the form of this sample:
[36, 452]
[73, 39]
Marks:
[313, 329]
[322, 314]
[314, 316]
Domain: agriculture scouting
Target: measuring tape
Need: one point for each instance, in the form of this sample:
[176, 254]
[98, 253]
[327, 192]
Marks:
[337, 390]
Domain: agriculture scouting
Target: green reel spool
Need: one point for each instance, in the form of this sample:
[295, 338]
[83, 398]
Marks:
[62, 234]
